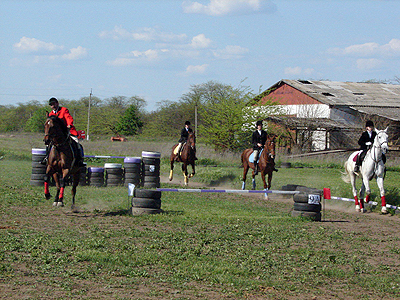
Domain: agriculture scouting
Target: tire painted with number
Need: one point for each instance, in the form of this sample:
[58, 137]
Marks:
[151, 169]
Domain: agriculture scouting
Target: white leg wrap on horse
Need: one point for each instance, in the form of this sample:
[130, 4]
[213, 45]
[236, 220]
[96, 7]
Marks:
[254, 184]
[171, 175]
[243, 185]
[358, 208]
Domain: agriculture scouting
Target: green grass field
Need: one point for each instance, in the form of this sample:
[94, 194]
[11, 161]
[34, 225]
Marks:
[204, 246]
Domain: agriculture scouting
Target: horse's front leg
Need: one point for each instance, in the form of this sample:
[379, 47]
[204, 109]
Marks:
[171, 173]
[63, 180]
[379, 181]
[47, 185]
[57, 181]
[185, 174]
[265, 184]
[363, 190]
[245, 170]
[193, 170]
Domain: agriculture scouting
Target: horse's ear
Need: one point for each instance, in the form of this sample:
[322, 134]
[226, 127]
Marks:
[386, 129]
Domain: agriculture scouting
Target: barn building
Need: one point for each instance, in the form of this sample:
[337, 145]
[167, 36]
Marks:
[322, 115]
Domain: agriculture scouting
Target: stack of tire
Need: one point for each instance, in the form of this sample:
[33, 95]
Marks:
[132, 170]
[83, 176]
[307, 203]
[114, 174]
[38, 170]
[96, 176]
[151, 169]
[145, 202]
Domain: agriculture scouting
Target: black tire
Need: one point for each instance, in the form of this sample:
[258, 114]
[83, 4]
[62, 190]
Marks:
[114, 171]
[149, 173]
[131, 176]
[38, 170]
[146, 203]
[37, 182]
[38, 157]
[300, 198]
[143, 193]
[315, 216]
[290, 187]
[151, 178]
[150, 161]
[151, 185]
[38, 176]
[137, 211]
[307, 207]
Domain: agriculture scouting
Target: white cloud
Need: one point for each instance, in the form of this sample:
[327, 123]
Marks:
[230, 52]
[225, 7]
[75, 53]
[295, 71]
[368, 64]
[369, 49]
[196, 69]
[30, 45]
[200, 41]
[144, 34]
[135, 56]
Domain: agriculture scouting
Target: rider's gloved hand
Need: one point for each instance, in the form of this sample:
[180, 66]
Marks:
[368, 143]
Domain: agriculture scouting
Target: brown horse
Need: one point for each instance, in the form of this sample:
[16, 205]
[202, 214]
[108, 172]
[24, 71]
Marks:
[187, 157]
[266, 163]
[60, 164]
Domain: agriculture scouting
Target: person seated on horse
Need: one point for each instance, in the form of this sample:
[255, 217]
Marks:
[184, 137]
[63, 114]
[258, 139]
[366, 140]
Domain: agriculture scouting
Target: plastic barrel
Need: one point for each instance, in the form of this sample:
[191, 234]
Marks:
[132, 170]
[151, 169]
[96, 176]
[114, 174]
[38, 170]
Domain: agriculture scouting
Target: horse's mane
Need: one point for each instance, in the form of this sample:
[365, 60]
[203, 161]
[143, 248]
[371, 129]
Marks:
[59, 123]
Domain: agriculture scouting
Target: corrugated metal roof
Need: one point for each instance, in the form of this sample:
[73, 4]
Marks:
[349, 93]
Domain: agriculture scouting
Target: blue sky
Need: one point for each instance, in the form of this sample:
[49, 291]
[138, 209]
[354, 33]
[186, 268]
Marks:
[158, 49]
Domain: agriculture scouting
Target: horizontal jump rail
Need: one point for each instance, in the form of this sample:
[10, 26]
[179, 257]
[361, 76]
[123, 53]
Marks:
[228, 191]
[104, 156]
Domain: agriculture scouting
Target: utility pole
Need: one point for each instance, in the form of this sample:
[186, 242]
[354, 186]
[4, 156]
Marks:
[88, 115]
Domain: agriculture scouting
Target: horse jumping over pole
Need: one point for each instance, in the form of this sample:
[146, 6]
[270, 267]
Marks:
[372, 167]
[60, 164]
[266, 163]
[187, 157]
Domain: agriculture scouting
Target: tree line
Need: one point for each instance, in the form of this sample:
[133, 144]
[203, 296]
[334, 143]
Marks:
[225, 115]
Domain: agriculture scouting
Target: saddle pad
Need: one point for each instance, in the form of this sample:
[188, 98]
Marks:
[355, 156]
[251, 157]
[176, 149]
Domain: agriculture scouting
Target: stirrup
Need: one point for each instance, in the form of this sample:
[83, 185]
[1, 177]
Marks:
[44, 161]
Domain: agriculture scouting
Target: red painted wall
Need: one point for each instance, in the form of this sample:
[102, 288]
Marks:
[286, 95]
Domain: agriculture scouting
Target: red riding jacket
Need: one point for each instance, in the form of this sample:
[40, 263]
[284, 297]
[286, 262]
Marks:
[63, 114]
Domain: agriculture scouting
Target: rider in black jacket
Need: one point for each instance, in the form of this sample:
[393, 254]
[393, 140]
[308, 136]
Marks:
[366, 140]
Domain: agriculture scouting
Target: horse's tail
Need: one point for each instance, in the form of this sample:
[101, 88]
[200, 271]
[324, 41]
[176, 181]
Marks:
[242, 158]
[345, 175]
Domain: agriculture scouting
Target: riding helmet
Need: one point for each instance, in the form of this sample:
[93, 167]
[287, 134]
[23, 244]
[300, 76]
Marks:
[369, 124]
[259, 123]
[187, 123]
[52, 100]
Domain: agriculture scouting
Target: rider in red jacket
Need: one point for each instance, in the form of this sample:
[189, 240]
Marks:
[63, 114]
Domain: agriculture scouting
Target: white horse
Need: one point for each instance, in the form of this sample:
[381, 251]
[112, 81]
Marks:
[372, 167]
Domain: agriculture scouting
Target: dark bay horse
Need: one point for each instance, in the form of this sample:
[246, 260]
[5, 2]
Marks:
[188, 157]
[266, 163]
[60, 164]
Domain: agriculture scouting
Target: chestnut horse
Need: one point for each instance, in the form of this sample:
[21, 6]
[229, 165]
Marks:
[266, 163]
[187, 157]
[60, 164]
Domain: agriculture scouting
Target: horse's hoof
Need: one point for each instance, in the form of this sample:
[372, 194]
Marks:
[60, 204]
[358, 208]
[55, 203]
[48, 196]
[384, 210]
[363, 210]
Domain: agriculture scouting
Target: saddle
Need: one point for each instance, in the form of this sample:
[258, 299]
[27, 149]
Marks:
[251, 157]
[176, 148]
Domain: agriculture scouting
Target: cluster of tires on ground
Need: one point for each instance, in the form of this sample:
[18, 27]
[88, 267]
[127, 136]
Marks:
[307, 203]
[143, 172]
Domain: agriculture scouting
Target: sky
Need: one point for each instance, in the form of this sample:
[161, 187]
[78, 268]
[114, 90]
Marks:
[159, 49]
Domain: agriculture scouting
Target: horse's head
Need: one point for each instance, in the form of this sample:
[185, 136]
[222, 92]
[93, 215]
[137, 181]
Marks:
[270, 145]
[191, 141]
[381, 140]
[54, 129]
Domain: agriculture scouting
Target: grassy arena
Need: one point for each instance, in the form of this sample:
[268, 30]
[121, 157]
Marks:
[204, 246]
